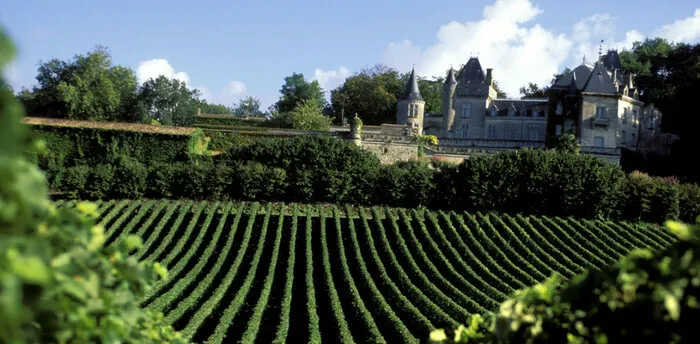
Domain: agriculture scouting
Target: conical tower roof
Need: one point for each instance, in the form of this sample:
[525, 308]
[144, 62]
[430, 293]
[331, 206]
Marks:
[451, 77]
[412, 92]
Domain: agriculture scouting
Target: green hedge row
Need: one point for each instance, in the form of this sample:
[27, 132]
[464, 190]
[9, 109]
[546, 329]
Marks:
[236, 122]
[69, 149]
[327, 169]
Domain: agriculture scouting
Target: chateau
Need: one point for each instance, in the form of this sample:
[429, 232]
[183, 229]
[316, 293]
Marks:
[599, 103]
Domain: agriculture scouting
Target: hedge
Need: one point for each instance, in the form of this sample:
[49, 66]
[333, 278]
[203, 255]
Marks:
[330, 170]
[72, 146]
[235, 122]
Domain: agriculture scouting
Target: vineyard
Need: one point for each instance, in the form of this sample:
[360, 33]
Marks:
[246, 272]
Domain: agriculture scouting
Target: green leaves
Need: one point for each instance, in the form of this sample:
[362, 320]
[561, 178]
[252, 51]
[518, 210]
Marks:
[30, 268]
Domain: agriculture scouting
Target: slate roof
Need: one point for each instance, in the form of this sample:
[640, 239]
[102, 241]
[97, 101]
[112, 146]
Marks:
[472, 73]
[412, 92]
[521, 106]
[580, 75]
[451, 77]
[600, 81]
[611, 60]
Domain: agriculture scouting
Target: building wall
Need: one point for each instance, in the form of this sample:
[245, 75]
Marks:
[391, 152]
[589, 131]
[629, 127]
[402, 114]
[474, 124]
[521, 128]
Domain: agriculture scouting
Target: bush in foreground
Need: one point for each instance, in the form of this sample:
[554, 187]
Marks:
[58, 282]
[647, 297]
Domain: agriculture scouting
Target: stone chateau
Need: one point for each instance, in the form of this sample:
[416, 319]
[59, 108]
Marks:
[598, 102]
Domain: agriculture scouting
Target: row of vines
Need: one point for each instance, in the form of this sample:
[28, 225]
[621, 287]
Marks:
[246, 272]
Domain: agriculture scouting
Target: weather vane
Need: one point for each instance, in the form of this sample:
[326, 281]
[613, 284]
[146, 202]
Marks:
[584, 58]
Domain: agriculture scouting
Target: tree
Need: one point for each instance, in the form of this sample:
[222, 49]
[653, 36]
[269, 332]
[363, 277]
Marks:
[168, 101]
[88, 88]
[500, 94]
[307, 115]
[296, 89]
[215, 109]
[371, 94]
[430, 89]
[248, 107]
[533, 91]
[568, 143]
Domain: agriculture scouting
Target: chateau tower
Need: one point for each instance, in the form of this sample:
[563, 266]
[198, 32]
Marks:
[411, 106]
[448, 110]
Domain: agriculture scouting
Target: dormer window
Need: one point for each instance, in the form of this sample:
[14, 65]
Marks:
[560, 109]
[535, 112]
[511, 112]
[493, 112]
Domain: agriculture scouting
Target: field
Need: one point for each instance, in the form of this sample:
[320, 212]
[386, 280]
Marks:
[246, 272]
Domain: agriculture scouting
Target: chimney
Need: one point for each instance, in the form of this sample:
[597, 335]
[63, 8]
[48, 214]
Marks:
[630, 79]
[614, 77]
[199, 112]
[489, 76]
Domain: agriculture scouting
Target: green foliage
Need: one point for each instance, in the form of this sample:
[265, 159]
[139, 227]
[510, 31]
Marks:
[307, 115]
[233, 122]
[533, 91]
[59, 283]
[169, 101]
[129, 178]
[568, 143]
[88, 87]
[296, 90]
[214, 109]
[652, 199]
[646, 297]
[248, 107]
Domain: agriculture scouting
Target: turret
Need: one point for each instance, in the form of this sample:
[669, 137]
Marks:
[411, 106]
[448, 110]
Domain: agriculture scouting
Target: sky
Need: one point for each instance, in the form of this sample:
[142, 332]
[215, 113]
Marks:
[232, 49]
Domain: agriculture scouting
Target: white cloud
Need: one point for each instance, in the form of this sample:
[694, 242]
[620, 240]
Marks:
[588, 32]
[232, 93]
[518, 53]
[156, 67]
[682, 30]
[330, 79]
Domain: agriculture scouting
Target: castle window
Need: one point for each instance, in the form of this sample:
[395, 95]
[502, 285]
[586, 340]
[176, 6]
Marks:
[534, 134]
[625, 114]
[510, 132]
[465, 131]
[492, 131]
[623, 136]
[535, 112]
[511, 112]
[599, 112]
[599, 141]
[466, 110]
[635, 120]
[557, 130]
[560, 109]
[493, 112]
[412, 110]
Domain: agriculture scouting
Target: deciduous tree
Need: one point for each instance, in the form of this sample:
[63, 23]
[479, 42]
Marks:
[296, 89]
[168, 101]
[248, 107]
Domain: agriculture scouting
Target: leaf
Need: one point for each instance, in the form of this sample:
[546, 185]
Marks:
[31, 269]
[160, 270]
[133, 242]
[97, 239]
[672, 306]
[438, 335]
[88, 208]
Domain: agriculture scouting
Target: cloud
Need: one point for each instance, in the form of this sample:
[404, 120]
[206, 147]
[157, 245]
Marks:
[517, 52]
[13, 75]
[330, 79]
[156, 67]
[588, 32]
[682, 30]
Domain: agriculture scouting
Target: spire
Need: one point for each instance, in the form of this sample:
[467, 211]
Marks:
[451, 77]
[412, 92]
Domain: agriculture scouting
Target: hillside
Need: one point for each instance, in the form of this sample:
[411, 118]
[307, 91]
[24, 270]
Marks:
[239, 271]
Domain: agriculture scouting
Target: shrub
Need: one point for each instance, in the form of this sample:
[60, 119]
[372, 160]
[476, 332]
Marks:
[689, 201]
[100, 182]
[160, 180]
[75, 180]
[650, 199]
[190, 179]
[130, 178]
[405, 184]
[255, 181]
[647, 297]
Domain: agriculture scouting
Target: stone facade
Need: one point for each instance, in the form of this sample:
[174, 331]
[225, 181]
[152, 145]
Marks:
[597, 103]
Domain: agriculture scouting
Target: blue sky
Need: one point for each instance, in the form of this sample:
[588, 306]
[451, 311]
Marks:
[230, 49]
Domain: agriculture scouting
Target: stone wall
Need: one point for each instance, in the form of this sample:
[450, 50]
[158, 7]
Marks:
[391, 152]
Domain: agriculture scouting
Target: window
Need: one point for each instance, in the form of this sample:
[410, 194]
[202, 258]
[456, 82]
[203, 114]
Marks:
[510, 132]
[634, 117]
[625, 114]
[465, 131]
[511, 112]
[599, 141]
[535, 112]
[623, 137]
[493, 112]
[557, 130]
[492, 131]
[533, 134]
[466, 110]
[568, 125]
[412, 110]
[599, 112]
[560, 109]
